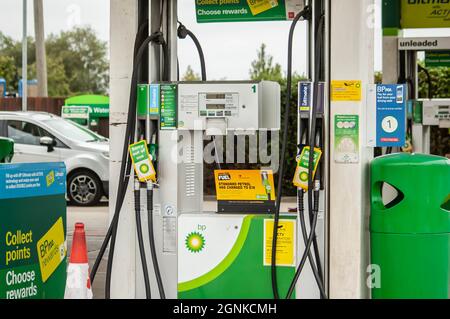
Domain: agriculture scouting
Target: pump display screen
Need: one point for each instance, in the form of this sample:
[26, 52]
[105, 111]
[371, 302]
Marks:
[215, 106]
[218, 104]
[215, 96]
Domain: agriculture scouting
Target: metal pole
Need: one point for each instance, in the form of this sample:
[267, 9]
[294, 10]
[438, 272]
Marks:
[41, 61]
[24, 57]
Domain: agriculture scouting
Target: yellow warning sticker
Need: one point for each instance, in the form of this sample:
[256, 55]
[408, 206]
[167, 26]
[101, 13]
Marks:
[286, 240]
[259, 6]
[51, 249]
[346, 91]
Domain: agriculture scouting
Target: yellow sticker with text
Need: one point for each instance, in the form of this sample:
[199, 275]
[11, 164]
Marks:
[348, 90]
[286, 240]
[259, 6]
[245, 185]
[51, 249]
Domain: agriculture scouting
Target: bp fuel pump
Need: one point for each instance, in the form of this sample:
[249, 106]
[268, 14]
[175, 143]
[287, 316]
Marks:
[192, 251]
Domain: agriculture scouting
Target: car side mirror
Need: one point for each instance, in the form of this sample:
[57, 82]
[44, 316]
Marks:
[49, 142]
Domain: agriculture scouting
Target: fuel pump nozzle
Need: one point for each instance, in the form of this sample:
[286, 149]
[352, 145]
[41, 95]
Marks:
[266, 183]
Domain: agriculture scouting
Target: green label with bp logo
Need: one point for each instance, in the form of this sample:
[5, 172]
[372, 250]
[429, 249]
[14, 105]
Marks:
[302, 171]
[142, 161]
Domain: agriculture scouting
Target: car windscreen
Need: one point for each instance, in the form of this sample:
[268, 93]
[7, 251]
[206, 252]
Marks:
[73, 131]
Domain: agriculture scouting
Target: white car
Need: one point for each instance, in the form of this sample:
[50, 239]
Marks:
[44, 137]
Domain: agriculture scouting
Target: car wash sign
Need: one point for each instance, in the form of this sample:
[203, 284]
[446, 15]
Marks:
[247, 10]
[425, 14]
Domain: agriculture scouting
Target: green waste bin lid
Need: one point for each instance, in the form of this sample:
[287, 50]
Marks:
[422, 203]
[6, 149]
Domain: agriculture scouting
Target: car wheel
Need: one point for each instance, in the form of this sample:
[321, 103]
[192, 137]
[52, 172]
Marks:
[84, 188]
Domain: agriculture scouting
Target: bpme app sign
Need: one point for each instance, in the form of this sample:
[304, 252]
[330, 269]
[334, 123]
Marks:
[387, 115]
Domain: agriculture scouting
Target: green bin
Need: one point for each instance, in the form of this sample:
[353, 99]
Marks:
[410, 236]
[6, 150]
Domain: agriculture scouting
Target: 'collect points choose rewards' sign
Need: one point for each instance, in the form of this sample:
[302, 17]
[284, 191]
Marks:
[32, 232]
[246, 10]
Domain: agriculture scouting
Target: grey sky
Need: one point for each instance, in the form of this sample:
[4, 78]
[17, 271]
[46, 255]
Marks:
[229, 47]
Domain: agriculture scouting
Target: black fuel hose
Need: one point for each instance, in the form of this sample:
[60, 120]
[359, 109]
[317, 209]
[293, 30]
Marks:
[122, 185]
[317, 270]
[140, 237]
[318, 180]
[301, 213]
[312, 140]
[323, 294]
[152, 240]
[125, 170]
[430, 84]
[319, 51]
[183, 32]
[156, 37]
[302, 14]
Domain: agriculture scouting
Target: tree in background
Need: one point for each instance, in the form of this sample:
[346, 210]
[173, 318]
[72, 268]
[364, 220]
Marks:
[263, 68]
[378, 77]
[8, 71]
[190, 75]
[84, 58]
[440, 83]
[77, 62]
[56, 76]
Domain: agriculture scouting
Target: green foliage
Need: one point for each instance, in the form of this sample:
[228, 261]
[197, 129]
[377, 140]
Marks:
[58, 85]
[8, 71]
[76, 62]
[263, 68]
[378, 77]
[440, 82]
[84, 58]
[190, 75]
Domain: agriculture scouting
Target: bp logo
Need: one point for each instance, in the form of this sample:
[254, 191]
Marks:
[303, 176]
[195, 242]
[144, 168]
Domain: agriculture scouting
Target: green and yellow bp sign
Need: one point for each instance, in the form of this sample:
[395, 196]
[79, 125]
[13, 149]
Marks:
[425, 14]
[32, 231]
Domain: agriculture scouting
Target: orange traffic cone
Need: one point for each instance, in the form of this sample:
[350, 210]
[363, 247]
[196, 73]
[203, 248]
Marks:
[78, 285]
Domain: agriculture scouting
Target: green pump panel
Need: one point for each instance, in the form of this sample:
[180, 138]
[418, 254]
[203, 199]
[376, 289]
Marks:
[228, 256]
[410, 235]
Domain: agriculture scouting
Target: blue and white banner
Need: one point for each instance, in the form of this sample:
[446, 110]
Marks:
[387, 115]
[32, 179]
